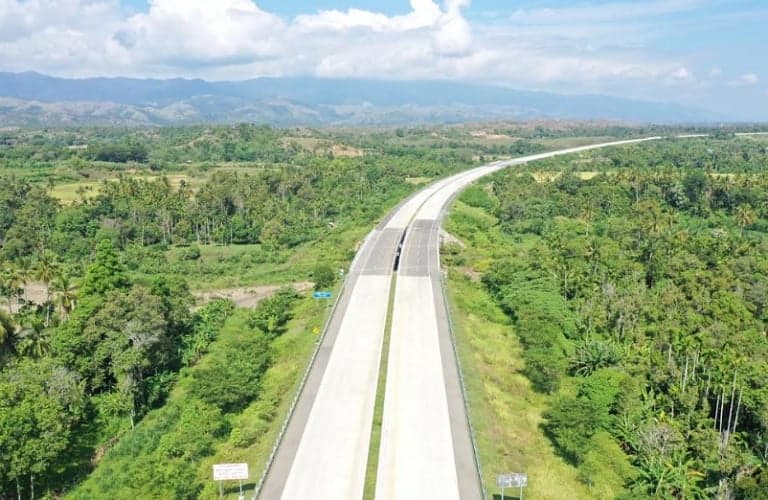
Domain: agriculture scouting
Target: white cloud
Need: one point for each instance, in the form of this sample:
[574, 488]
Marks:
[745, 80]
[607, 12]
[424, 13]
[680, 75]
[183, 32]
[573, 49]
[454, 35]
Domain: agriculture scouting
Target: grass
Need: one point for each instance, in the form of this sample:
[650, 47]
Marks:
[69, 192]
[506, 412]
[255, 430]
[130, 469]
[369, 490]
[252, 265]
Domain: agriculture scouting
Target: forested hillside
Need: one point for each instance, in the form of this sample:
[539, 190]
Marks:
[636, 281]
[113, 368]
[115, 356]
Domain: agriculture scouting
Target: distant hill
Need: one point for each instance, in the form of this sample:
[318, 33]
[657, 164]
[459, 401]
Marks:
[32, 99]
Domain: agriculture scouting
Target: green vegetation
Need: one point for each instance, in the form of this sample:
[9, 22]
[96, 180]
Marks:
[143, 380]
[226, 404]
[506, 411]
[636, 297]
[109, 371]
[374, 448]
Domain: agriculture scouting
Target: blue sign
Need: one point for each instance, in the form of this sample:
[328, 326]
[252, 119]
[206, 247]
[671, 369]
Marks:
[322, 295]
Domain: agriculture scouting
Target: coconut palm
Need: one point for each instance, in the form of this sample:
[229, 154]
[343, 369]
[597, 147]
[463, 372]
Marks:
[7, 329]
[745, 216]
[12, 280]
[33, 339]
[45, 271]
[66, 296]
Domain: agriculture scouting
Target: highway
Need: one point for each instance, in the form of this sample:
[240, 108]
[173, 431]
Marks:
[426, 448]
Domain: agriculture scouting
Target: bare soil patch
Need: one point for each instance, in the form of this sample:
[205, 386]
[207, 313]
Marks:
[248, 296]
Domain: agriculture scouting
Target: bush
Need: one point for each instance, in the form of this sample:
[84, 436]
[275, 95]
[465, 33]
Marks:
[191, 253]
[593, 354]
[324, 276]
[273, 313]
[753, 486]
[476, 196]
[544, 367]
[231, 384]
[571, 423]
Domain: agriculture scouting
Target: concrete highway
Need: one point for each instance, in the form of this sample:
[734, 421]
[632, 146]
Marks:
[426, 449]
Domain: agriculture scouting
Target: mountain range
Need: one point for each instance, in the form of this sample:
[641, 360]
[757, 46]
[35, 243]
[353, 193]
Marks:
[33, 99]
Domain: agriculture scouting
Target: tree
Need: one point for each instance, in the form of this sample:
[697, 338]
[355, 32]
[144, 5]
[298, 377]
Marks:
[33, 339]
[273, 313]
[324, 276]
[12, 280]
[232, 383]
[46, 270]
[7, 331]
[572, 422]
[105, 273]
[40, 403]
[745, 216]
[131, 342]
[66, 297]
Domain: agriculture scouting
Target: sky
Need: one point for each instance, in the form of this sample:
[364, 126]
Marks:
[709, 54]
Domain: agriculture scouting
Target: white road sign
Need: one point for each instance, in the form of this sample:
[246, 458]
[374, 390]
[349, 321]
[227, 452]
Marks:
[514, 480]
[230, 472]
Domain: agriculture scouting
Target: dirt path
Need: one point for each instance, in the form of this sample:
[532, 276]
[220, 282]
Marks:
[247, 296]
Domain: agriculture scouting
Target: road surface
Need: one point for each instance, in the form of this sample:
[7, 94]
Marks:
[426, 448]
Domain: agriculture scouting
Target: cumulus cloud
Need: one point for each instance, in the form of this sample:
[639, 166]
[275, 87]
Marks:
[745, 80]
[185, 32]
[236, 39]
[424, 14]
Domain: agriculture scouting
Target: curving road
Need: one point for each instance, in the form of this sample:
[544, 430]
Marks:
[426, 448]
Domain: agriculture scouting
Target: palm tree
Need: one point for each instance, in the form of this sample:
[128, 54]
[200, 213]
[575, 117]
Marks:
[745, 216]
[45, 271]
[65, 293]
[24, 269]
[12, 280]
[7, 329]
[33, 340]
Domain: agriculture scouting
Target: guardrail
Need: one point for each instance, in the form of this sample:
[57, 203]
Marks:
[465, 396]
[300, 389]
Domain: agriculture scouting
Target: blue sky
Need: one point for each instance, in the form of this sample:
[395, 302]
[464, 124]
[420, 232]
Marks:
[705, 53]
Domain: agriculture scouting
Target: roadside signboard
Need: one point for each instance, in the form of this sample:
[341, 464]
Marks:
[230, 472]
[513, 480]
[322, 295]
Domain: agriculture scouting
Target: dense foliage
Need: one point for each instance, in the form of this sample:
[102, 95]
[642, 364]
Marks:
[640, 298]
[114, 335]
[620, 287]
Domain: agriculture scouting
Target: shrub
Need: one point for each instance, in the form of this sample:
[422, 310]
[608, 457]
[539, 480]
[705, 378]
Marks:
[571, 423]
[231, 384]
[324, 276]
